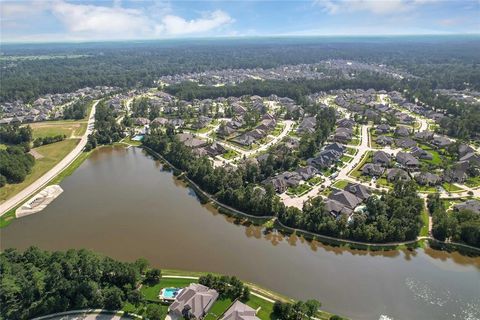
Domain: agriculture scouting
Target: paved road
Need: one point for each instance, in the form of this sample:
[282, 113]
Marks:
[43, 180]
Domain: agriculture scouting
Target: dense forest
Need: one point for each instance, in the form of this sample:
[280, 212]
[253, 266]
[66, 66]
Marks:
[15, 161]
[37, 282]
[443, 62]
[394, 216]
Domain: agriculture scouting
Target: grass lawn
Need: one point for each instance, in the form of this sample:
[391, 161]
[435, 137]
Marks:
[218, 308]
[346, 159]
[473, 182]
[131, 142]
[315, 180]
[266, 307]
[354, 142]
[230, 154]
[52, 154]
[299, 190]
[427, 188]
[54, 128]
[351, 151]
[152, 292]
[278, 129]
[356, 172]
[3, 146]
[340, 184]
[451, 188]
[384, 182]
[424, 230]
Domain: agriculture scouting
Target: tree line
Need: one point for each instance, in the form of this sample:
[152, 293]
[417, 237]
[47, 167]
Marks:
[445, 63]
[393, 216]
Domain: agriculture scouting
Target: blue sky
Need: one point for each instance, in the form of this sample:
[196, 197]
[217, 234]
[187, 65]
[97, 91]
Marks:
[63, 20]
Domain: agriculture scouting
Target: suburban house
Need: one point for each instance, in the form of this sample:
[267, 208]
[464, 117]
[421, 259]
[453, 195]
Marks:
[282, 181]
[189, 140]
[407, 160]
[201, 122]
[325, 159]
[343, 135]
[405, 143]
[307, 172]
[381, 158]
[441, 141]
[424, 135]
[472, 205]
[307, 125]
[336, 208]
[384, 140]
[373, 170]
[458, 172]
[240, 311]
[346, 198]
[427, 178]
[395, 174]
[402, 131]
[193, 302]
[360, 191]
[382, 129]
[421, 154]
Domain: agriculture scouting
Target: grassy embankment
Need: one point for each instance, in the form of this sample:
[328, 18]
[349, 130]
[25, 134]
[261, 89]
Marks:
[50, 154]
[263, 306]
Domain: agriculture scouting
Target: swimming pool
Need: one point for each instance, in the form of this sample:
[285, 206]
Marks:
[138, 137]
[169, 293]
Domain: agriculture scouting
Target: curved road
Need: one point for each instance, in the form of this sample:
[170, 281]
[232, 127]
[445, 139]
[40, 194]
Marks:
[59, 167]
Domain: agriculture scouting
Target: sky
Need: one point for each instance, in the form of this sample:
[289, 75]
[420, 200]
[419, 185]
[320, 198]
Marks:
[62, 20]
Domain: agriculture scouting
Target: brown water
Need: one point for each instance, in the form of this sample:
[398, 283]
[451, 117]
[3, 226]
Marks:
[120, 202]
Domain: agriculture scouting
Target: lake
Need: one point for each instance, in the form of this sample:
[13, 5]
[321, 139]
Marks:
[121, 203]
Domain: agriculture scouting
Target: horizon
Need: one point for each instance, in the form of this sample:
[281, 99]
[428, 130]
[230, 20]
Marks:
[262, 37]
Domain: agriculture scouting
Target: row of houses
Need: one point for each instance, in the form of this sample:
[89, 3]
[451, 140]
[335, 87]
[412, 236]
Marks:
[47, 107]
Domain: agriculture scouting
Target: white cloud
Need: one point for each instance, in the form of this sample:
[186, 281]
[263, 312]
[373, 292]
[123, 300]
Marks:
[374, 6]
[101, 22]
[175, 25]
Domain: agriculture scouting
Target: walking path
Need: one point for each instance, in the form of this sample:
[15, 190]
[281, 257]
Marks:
[52, 173]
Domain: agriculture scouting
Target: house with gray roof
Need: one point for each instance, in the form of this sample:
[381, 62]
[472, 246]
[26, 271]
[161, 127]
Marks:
[358, 190]
[427, 178]
[373, 170]
[193, 302]
[421, 154]
[384, 140]
[405, 143]
[381, 158]
[407, 160]
[395, 174]
[307, 125]
[424, 135]
[441, 141]
[345, 198]
[240, 311]
[472, 205]
[402, 131]
[336, 208]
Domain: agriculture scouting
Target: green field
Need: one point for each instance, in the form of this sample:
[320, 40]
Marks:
[52, 154]
[299, 190]
[54, 128]
[451, 187]
[230, 154]
[340, 184]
